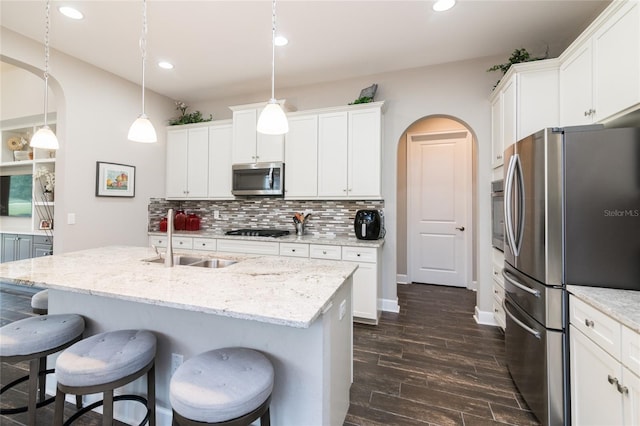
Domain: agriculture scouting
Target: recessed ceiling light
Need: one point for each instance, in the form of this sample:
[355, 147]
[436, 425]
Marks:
[165, 65]
[442, 5]
[281, 41]
[70, 12]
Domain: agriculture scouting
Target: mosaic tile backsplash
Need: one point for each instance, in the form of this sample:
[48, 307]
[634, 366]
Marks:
[330, 218]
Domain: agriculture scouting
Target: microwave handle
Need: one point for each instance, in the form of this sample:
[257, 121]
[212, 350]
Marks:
[271, 178]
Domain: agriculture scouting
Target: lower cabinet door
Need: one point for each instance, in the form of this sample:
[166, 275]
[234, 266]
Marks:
[595, 399]
[364, 292]
[631, 396]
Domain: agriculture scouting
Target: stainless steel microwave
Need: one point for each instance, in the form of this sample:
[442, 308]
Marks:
[258, 179]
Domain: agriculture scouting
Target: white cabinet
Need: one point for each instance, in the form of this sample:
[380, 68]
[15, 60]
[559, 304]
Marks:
[605, 386]
[187, 163]
[366, 282]
[301, 157]
[205, 244]
[349, 153]
[525, 101]
[498, 287]
[576, 93]
[322, 251]
[294, 250]
[249, 146]
[219, 164]
[249, 247]
[600, 71]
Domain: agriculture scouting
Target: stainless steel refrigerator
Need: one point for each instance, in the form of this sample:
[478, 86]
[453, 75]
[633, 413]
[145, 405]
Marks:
[572, 216]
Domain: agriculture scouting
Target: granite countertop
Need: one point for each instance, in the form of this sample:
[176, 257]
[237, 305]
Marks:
[279, 290]
[621, 305]
[291, 238]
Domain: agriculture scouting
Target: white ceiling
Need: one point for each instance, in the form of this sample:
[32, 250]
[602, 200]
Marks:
[223, 48]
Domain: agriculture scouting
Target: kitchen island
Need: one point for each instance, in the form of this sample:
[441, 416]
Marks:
[297, 311]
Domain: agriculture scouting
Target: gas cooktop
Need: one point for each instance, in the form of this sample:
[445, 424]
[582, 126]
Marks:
[258, 232]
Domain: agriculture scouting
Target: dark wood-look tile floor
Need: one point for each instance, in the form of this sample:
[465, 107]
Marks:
[431, 364]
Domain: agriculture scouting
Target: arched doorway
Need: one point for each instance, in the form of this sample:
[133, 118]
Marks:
[434, 140]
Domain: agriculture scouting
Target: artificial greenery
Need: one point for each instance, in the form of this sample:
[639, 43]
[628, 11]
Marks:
[518, 56]
[184, 118]
[362, 100]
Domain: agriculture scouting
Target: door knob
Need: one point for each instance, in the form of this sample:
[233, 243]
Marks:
[460, 228]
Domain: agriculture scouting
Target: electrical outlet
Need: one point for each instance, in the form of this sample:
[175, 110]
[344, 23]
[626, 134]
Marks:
[176, 361]
[343, 309]
[216, 214]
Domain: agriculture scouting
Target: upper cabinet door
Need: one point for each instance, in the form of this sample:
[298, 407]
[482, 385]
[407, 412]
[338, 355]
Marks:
[301, 157]
[249, 146]
[332, 154]
[198, 163]
[176, 185]
[576, 88]
[220, 147]
[365, 149]
[616, 62]
[244, 136]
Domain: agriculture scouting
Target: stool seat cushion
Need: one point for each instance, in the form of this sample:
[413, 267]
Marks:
[39, 334]
[221, 385]
[105, 357]
[40, 300]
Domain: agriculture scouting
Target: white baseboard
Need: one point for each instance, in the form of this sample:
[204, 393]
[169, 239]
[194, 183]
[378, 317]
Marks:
[402, 279]
[473, 286]
[390, 305]
[485, 318]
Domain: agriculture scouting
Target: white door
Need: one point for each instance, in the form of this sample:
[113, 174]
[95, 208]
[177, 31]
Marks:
[438, 198]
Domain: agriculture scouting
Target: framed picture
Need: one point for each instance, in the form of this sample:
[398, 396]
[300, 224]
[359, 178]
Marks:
[115, 180]
[46, 224]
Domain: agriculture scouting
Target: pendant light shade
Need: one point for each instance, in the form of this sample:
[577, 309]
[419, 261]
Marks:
[142, 130]
[44, 138]
[272, 120]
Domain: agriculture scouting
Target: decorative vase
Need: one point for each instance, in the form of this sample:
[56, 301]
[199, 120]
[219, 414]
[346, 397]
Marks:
[48, 196]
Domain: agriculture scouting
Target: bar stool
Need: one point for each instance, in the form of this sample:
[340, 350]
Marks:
[230, 386]
[40, 302]
[102, 363]
[33, 339]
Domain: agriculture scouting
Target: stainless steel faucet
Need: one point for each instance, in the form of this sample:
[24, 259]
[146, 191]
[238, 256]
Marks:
[168, 255]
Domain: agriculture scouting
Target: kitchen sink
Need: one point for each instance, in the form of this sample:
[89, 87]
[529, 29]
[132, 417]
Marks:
[213, 263]
[202, 262]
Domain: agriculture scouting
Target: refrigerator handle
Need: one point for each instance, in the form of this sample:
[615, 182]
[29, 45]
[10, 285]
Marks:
[528, 329]
[521, 204]
[532, 291]
[508, 199]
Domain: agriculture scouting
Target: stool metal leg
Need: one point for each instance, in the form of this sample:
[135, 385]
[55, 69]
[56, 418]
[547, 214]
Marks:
[107, 408]
[58, 412]
[42, 382]
[34, 366]
[151, 394]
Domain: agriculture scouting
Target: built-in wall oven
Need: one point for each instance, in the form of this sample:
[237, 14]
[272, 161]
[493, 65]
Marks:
[497, 214]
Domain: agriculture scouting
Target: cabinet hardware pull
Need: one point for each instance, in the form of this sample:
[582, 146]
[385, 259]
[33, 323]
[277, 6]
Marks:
[622, 389]
[612, 380]
[589, 323]
[461, 228]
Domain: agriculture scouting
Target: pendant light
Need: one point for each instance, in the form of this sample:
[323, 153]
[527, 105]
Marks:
[142, 130]
[45, 138]
[273, 120]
